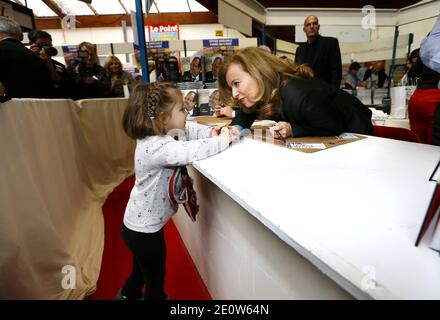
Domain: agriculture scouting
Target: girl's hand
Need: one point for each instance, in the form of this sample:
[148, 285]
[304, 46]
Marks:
[281, 128]
[216, 130]
[229, 134]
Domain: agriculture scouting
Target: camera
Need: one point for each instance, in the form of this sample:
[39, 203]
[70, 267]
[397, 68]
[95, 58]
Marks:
[49, 50]
[83, 54]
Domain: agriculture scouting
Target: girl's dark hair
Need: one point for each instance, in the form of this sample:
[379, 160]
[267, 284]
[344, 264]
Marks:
[149, 105]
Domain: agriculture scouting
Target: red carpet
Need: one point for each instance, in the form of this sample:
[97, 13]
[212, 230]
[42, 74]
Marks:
[182, 279]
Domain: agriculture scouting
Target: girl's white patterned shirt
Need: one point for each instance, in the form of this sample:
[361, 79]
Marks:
[149, 208]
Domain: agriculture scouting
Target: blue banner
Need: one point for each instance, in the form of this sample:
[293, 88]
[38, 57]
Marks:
[220, 42]
[158, 45]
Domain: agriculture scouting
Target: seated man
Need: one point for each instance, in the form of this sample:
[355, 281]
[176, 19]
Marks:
[195, 71]
[351, 80]
[211, 76]
[92, 80]
[375, 76]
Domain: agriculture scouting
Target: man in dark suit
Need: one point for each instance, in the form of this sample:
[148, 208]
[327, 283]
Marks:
[211, 76]
[195, 71]
[322, 54]
[22, 73]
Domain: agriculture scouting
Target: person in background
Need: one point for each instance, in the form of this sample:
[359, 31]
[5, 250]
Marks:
[322, 54]
[351, 80]
[22, 73]
[152, 70]
[154, 115]
[211, 76]
[411, 74]
[423, 106]
[195, 71]
[430, 48]
[430, 55]
[118, 76]
[266, 88]
[41, 45]
[375, 76]
[190, 103]
[92, 80]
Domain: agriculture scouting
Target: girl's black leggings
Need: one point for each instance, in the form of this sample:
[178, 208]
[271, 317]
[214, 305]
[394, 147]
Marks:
[149, 254]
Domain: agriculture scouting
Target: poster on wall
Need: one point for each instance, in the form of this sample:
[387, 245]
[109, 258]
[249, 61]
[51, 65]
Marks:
[166, 65]
[165, 60]
[215, 51]
[70, 53]
[163, 32]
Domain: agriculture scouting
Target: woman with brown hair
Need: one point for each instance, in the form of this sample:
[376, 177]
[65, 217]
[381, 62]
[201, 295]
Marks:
[266, 87]
[118, 76]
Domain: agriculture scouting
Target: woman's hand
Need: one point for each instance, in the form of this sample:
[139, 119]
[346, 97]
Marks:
[218, 110]
[222, 110]
[226, 111]
[281, 128]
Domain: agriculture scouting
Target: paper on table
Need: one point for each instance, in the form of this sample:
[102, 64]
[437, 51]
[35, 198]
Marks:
[264, 123]
[398, 102]
[304, 145]
[347, 136]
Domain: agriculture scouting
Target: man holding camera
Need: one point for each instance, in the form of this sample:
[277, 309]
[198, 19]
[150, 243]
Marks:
[91, 79]
[41, 44]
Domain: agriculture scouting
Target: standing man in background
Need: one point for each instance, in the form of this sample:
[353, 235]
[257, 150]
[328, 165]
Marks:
[322, 54]
[22, 73]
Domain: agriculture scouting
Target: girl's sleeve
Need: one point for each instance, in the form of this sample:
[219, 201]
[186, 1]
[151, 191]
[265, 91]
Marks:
[173, 153]
[196, 131]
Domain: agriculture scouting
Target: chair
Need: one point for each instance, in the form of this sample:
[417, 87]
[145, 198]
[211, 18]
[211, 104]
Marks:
[395, 133]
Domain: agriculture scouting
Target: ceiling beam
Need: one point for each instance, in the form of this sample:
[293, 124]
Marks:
[114, 20]
[55, 8]
[189, 7]
[93, 9]
[123, 6]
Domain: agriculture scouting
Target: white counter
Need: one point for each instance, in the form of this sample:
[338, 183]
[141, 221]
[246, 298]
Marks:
[353, 211]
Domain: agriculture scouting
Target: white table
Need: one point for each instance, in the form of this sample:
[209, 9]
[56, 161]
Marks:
[353, 212]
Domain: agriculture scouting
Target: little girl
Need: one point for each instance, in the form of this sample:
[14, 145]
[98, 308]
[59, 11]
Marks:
[154, 116]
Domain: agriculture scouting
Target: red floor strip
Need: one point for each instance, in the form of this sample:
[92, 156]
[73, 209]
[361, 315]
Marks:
[182, 281]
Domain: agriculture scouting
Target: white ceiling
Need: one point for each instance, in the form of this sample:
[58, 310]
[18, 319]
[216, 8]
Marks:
[76, 7]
